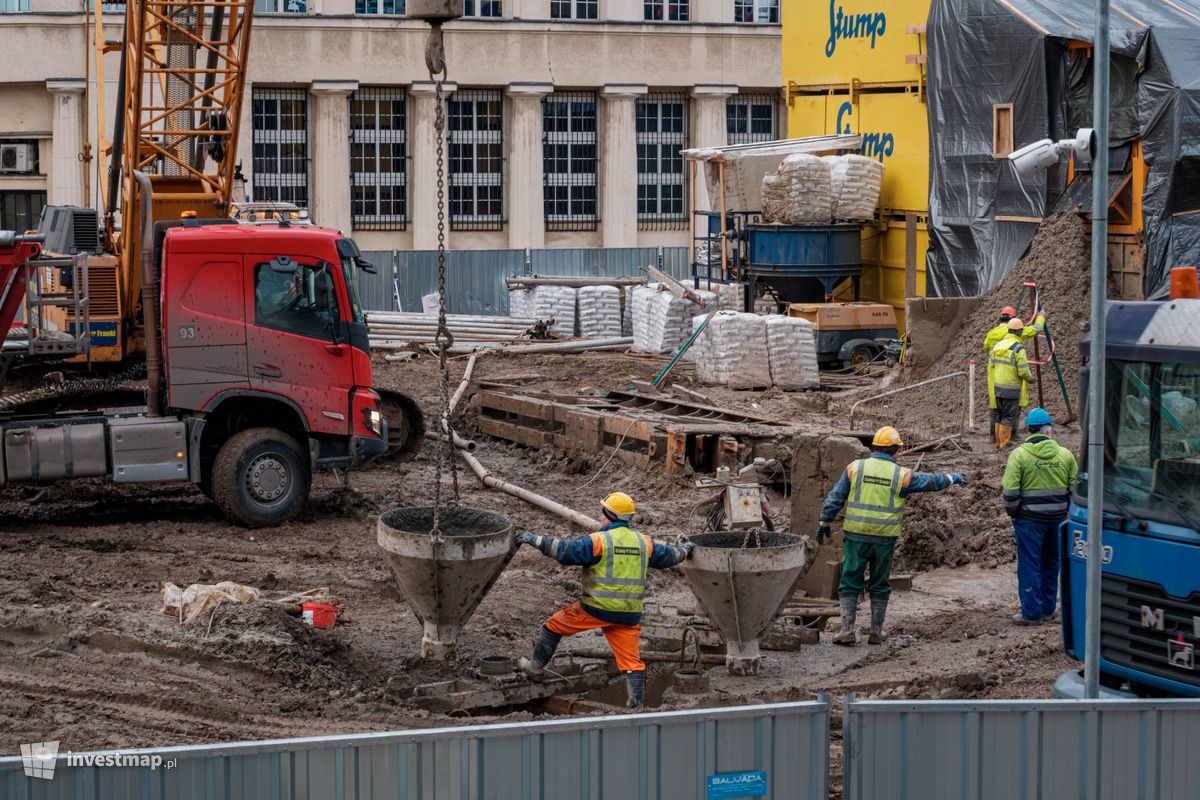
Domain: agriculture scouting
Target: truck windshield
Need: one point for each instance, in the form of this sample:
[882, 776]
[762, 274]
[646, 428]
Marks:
[350, 273]
[1152, 441]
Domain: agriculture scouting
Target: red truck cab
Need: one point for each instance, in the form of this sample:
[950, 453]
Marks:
[265, 349]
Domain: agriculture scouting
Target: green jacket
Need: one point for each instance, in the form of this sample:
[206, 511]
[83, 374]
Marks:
[1038, 479]
[1000, 331]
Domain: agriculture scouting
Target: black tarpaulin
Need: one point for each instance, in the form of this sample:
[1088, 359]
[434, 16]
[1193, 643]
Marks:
[988, 52]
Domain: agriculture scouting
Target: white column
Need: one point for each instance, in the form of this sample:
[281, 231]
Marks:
[711, 129]
[422, 192]
[526, 212]
[618, 164]
[66, 170]
[330, 194]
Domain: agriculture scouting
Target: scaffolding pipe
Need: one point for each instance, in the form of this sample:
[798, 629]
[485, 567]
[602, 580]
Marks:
[578, 283]
[917, 385]
[544, 503]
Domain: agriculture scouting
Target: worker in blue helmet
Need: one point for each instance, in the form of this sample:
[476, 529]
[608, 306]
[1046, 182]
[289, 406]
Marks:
[1037, 485]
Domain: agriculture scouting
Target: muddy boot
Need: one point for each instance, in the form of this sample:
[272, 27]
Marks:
[636, 683]
[878, 612]
[849, 616]
[543, 651]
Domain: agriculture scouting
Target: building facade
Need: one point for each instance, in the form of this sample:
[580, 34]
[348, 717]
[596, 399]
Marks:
[563, 118]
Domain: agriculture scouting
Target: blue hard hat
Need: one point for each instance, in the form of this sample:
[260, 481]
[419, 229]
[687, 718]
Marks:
[1038, 416]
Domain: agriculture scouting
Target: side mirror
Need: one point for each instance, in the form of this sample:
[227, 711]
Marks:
[367, 266]
[284, 265]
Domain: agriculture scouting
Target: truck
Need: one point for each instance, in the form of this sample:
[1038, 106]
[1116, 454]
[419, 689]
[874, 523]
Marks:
[1150, 563]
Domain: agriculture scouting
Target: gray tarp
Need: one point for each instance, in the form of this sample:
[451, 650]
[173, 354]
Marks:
[983, 52]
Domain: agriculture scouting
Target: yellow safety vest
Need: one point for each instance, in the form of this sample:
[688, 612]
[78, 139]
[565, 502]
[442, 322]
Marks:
[875, 506]
[1008, 371]
[617, 582]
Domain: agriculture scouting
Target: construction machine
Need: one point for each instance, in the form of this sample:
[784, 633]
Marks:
[251, 337]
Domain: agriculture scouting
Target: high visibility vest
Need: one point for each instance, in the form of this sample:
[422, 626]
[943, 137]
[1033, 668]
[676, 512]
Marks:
[617, 582]
[1008, 371]
[875, 506]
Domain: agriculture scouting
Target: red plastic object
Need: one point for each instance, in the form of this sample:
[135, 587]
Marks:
[1184, 283]
[319, 615]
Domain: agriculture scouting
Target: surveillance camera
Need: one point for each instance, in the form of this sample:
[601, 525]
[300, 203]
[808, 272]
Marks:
[1083, 146]
[1033, 157]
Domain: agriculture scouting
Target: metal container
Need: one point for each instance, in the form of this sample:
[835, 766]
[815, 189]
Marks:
[803, 263]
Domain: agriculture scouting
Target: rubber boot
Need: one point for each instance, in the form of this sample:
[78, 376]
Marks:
[543, 651]
[635, 682]
[849, 616]
[878, 612]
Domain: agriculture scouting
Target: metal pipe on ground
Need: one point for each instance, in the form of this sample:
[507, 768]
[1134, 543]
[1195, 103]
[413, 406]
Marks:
[544, 503]
[453, 325]
[406, 316]
[578, 283]
[918, 384]
[612, 343]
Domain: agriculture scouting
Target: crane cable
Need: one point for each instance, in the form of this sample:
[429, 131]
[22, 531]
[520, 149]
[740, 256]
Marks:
[435, 60]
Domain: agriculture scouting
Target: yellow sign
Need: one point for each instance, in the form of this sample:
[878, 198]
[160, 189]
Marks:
[836, 41]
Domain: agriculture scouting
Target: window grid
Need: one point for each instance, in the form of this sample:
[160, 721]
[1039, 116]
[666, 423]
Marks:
[664, 10]
[385, 7]
[280, 146]
[570, 157]
[574, 9]
[379, 159]
[483, 8]
[762, 12]
[13, 6]
[750, 118]
[476, 191]
[280, 6]
[662, 132]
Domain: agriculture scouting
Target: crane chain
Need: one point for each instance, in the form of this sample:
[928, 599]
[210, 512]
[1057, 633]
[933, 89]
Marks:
[446, 457]
[75, 387]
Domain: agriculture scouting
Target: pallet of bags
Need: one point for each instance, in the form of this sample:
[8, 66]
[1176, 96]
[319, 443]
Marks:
[599, 311]
[520, 302]
[661, 321]
[734, 352]
[800, 192]
[792, 349]
[857, 181]
[557, 303]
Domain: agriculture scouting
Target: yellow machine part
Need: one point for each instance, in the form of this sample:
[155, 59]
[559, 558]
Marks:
[845, 316]
[839, 41]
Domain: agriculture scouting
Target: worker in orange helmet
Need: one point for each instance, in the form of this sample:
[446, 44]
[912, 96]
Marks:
[615, 561]
[1023, 332]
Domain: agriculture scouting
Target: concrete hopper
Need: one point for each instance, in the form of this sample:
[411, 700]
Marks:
[743, 582]
[444, 580]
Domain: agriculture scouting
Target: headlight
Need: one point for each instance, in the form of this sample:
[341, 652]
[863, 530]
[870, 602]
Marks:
[373, 420]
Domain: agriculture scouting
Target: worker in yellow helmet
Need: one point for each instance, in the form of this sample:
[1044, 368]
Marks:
[614, 560]
[1008, 379]
[874, 491]
[1007, 315]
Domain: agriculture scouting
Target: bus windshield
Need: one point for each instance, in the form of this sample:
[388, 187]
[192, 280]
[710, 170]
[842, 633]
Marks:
[1152, 442]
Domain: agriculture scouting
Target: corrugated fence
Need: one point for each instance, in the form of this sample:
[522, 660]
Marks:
[669, 756]
[475, 278]
[1022, 750]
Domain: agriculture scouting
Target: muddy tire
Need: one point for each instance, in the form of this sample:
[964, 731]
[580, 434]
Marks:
[260, 478]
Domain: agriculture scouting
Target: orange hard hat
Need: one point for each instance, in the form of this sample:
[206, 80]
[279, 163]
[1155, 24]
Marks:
[1008, 311]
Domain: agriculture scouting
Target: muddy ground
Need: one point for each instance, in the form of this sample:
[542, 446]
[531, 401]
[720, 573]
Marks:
[86, 657]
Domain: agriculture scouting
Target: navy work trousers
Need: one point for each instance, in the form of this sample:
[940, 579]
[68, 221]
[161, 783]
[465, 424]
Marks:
[1037, 566]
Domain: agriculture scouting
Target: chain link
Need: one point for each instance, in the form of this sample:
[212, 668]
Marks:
[76, 387]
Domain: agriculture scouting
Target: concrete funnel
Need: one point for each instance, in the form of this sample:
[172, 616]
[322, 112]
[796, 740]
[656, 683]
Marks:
[444, 580]
[743, 585]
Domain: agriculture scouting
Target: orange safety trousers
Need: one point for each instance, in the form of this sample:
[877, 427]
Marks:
[622, 639]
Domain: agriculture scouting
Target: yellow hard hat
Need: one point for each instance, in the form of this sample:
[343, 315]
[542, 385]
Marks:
[887, 436]
[1015, 324]
[620, 505]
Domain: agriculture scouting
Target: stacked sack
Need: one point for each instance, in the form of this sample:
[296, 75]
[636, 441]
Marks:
[520, 302]
[557, 303]
[857, 181]
[800, 192]
[661, 321]
[599, 311]
[734, 351]
[792, 348]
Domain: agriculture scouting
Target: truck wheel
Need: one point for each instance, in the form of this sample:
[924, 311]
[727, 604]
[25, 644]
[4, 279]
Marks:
[260, 478]
[860, 356]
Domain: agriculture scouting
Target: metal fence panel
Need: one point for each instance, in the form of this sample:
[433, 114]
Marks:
[659, 756]
[1014, 749]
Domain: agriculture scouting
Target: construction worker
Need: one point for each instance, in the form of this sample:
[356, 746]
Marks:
[1037, 483]
[614, 561]
[1008, 382]
[874, 491]
[1007, 314]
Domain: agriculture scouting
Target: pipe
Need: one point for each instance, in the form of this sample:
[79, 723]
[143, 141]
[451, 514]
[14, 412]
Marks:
[971, 394]
[707, 659]
[462, 387]
[1096, 379]
[412, 316]
[538, 500]
[555, 280]
[574, 345]
[853, 408]
[154, 363]
[459, 442]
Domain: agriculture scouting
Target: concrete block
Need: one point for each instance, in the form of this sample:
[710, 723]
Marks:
[931, 324]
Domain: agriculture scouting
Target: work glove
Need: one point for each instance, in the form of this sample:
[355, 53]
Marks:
[823, 532]
[959, 478]
[526, 537]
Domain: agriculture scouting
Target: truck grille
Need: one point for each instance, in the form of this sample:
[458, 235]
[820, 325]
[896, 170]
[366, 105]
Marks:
[1127, 642]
